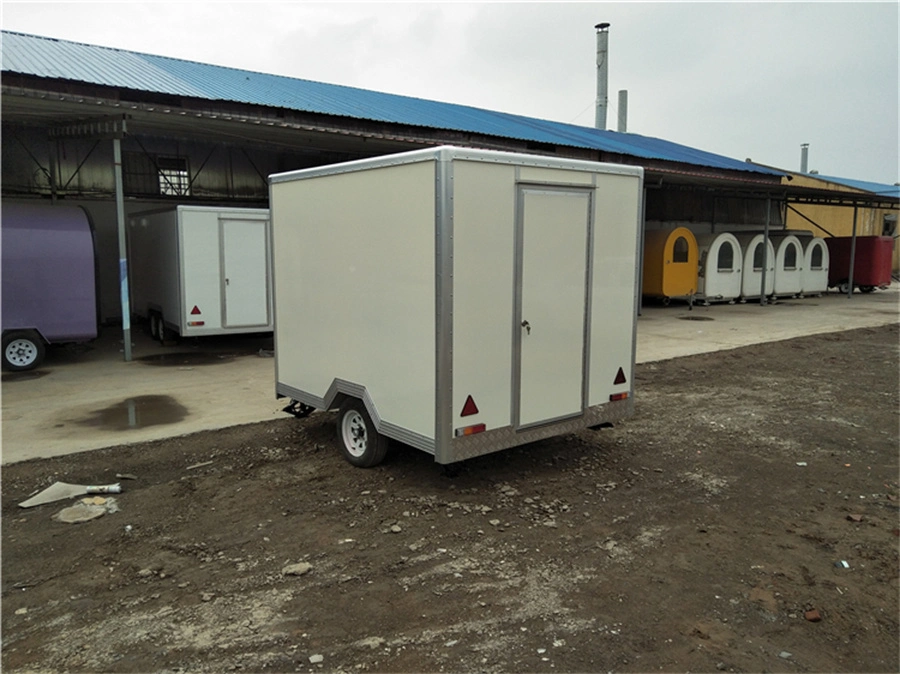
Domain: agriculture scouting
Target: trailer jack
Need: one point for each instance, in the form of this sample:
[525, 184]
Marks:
[298, 409]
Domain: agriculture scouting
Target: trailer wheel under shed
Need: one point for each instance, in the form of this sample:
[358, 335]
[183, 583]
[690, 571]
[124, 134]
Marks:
[458, 301]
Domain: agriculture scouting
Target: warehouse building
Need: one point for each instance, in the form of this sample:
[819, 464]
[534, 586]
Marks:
[823, 219]
[117, 131]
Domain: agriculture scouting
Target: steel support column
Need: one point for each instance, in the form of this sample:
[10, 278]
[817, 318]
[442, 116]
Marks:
[852, 253]
[762, 289]
[123, 251]
[114, 128]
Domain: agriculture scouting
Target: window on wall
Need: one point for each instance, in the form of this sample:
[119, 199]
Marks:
[152, 175]
[725, 259]
[790, 256]
[758, 255]
[680, 253]
[174, 179]
[816, 258]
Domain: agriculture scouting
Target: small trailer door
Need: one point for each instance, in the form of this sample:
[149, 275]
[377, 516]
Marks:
[245, 270]
[552, 322]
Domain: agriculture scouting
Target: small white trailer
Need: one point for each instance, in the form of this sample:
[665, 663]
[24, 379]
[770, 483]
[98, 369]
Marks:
[759, 254]
[789, 265]
[815, 266]
[720, 276]
[458, 301]
[198, 271]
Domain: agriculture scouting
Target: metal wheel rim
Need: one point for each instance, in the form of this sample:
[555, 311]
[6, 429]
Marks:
[354, 433]
[21, 352]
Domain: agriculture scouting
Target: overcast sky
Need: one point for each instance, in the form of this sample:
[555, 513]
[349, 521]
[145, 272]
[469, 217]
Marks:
[745, 80]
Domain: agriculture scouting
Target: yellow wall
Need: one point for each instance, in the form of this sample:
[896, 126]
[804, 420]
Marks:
[838, 220]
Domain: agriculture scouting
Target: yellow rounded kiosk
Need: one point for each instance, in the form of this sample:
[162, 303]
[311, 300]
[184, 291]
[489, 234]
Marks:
[670, 264]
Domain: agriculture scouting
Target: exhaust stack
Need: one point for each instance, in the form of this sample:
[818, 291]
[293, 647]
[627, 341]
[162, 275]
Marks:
[804, 158]
[623, 111]
[602, 74]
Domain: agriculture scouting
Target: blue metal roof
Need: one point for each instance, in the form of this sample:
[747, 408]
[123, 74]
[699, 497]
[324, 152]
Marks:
[61, 59]
[876, 188]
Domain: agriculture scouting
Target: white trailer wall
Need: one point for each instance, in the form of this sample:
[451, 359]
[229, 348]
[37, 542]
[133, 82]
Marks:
[483, 241]
[616, 265]
[357, 302]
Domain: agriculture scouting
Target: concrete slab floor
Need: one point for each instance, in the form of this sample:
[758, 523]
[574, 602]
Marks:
[86, 397]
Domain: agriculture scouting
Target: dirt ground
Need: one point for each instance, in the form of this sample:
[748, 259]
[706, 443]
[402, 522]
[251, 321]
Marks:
[745, 520]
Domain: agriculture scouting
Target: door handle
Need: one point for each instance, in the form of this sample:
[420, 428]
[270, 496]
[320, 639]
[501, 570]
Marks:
[527, 326]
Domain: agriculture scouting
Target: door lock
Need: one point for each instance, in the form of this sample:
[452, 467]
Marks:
[527, 326]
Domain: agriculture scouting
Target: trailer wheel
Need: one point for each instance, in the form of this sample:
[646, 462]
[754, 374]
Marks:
[867, 289]
[844, 287]
[164, 334]
[154, 326]
[361, 444]
[22, 350]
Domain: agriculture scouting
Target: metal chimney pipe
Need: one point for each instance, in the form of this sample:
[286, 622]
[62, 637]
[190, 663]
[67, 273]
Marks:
[804, 157]
[623, 111]
[602, 74]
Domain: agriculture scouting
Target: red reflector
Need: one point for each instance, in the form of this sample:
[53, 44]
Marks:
[195, 311]
[620, 377]
[618, 396]
[471, 430]
[469, 408]
[196, 324]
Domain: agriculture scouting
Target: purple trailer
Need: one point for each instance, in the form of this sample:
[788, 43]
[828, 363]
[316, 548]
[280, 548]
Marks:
[49, 286]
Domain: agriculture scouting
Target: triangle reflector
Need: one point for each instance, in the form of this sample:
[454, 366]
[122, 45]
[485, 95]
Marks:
[195, 311]
[469, 408]
[620, 377]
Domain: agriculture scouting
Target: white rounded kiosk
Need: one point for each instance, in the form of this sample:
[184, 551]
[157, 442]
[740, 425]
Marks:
[721, 265]
[755, 255]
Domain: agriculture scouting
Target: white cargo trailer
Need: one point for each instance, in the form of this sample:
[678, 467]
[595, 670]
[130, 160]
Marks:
[459, 301]
[199, 270]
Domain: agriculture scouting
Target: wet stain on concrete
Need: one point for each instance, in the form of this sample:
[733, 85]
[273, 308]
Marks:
[138, 412]
[9, 377]
[696, 318]
[187, 358]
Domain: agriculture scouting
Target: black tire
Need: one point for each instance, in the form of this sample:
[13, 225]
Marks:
[844, 287]
[360, 443]
[22, 350]
[154, 326]
[165, 334]
[866, 289]
[159, 331]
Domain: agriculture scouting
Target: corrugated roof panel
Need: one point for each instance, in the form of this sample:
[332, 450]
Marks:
[60, 59]
[876, 188]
